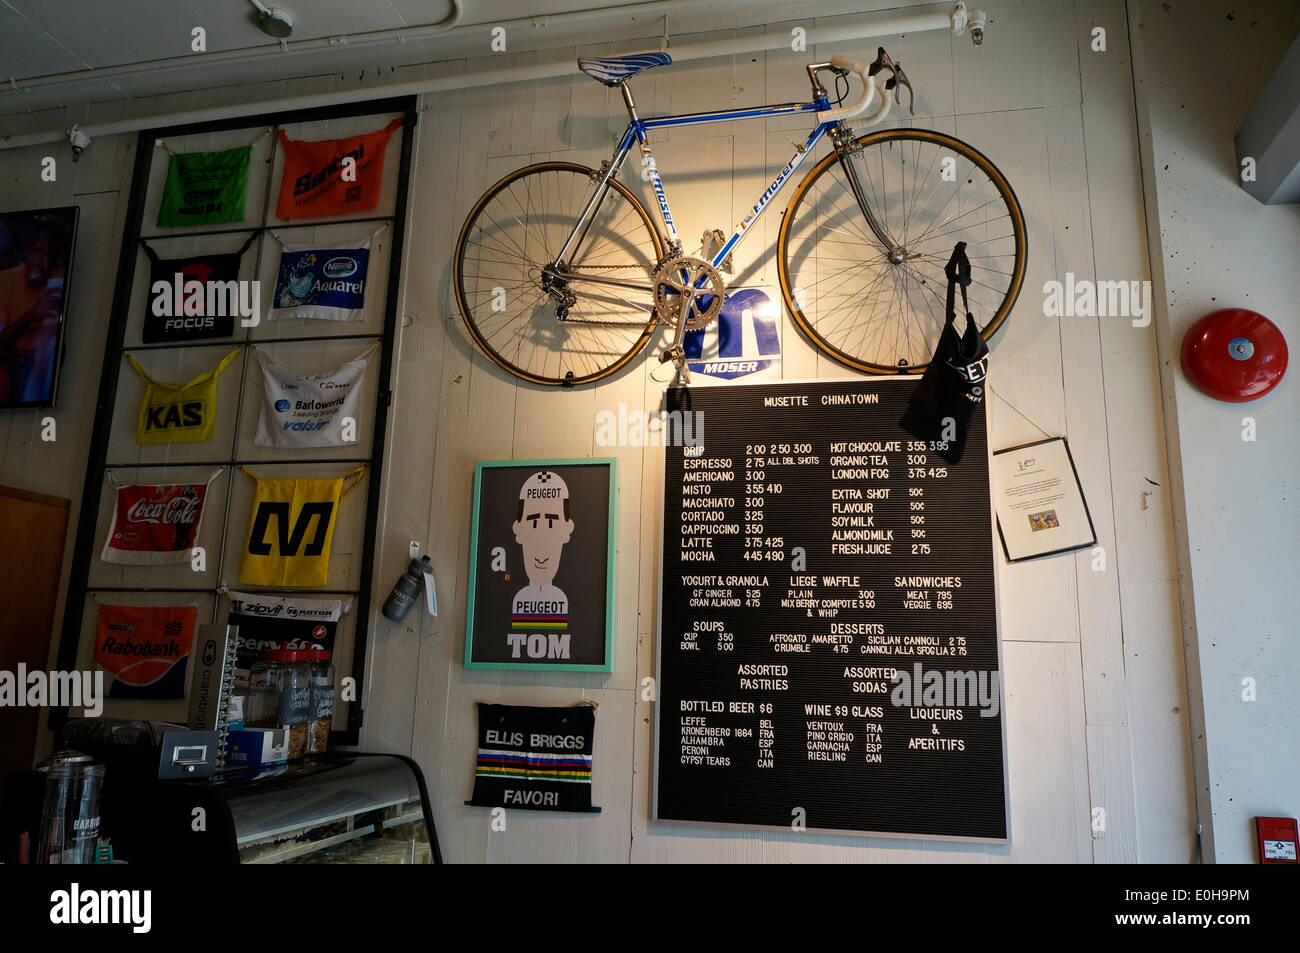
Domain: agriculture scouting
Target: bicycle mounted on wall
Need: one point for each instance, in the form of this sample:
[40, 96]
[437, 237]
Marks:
[562, 278]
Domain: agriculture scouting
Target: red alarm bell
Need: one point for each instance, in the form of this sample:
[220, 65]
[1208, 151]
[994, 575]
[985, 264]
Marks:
[1234, 354]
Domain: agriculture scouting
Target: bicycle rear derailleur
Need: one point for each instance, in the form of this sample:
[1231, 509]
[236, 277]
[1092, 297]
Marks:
[561, 296]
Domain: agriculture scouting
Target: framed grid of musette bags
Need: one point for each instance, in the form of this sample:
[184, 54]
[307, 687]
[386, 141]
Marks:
[239, 437]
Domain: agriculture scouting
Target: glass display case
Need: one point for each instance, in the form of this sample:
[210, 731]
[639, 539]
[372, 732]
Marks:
[344, 807]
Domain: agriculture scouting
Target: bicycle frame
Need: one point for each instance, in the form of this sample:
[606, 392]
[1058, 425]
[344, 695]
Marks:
[637, 133]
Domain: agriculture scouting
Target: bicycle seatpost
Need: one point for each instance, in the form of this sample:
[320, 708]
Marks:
[627, 100]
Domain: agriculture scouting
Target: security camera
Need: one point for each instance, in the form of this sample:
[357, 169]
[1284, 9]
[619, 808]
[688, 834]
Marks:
[79, 140]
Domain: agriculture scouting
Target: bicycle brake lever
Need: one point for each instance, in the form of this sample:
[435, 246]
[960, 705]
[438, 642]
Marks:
[882, 61]
[898, 80]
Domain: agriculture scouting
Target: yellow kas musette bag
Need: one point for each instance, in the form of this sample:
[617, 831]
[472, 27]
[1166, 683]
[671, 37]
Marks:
[179, 413]
[291, 528]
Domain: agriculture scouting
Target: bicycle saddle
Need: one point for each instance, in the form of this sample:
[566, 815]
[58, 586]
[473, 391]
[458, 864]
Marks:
[615, 70]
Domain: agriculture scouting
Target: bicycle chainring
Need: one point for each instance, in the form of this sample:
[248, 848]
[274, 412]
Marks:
[680, 283]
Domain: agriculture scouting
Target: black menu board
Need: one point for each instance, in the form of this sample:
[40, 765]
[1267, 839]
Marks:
[828, 649]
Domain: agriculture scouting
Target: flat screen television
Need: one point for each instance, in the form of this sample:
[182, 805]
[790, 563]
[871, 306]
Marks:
[35, 272]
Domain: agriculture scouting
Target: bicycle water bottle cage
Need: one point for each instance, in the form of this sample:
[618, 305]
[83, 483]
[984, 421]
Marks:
[896, 81]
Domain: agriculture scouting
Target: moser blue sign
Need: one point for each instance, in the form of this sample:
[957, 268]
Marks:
[743, 344]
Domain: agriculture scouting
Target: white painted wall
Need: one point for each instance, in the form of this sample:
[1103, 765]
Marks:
[1096, 700]
[1217, 247]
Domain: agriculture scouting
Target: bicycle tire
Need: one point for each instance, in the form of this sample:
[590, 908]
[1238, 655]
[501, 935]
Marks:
[638, 332]
[978, 160]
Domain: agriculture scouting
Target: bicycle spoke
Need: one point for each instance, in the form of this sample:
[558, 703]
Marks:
[584, 329]
[878, 310]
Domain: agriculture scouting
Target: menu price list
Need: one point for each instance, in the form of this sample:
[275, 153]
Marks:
[828, 638]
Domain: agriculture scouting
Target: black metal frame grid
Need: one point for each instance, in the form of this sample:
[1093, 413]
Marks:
[86, 550]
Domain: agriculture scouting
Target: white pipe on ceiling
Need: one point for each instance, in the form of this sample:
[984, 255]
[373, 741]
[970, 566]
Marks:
[447, 28]
[870, 26]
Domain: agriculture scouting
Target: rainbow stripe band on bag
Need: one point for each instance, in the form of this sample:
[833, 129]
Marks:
[533, 765]
[539, 621]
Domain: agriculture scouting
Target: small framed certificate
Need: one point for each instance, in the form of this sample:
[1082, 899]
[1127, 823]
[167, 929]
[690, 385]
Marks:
[1040, 505]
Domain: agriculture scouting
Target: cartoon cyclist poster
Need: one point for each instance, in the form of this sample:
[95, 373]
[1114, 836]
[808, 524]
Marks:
[542, 565]
[542, 529]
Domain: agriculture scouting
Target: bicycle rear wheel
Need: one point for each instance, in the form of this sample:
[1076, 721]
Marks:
[880, 309]
[585, 330]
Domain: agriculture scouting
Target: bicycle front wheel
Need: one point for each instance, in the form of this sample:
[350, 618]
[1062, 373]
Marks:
[873, 298]
[567, 331]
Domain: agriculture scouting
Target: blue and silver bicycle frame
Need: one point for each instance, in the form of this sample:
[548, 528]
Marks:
[637, 133]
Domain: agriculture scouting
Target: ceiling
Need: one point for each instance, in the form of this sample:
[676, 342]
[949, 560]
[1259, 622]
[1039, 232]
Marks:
[39, 37]
[44, 44]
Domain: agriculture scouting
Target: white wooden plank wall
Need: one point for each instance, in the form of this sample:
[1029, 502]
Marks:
[1096, 710]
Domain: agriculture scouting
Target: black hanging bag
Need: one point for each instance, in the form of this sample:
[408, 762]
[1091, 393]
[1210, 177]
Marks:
[952, 388]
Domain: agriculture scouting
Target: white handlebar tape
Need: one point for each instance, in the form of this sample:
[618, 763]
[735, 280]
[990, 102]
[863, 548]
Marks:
[868, 91]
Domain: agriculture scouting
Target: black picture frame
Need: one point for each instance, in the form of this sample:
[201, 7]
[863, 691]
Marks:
[1082, 497]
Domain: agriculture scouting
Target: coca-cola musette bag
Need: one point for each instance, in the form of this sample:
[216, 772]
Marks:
[155, 524]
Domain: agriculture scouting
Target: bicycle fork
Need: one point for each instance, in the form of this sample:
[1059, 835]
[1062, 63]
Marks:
[843, 140]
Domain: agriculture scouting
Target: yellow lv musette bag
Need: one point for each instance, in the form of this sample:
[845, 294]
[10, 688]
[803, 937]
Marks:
[291, 528]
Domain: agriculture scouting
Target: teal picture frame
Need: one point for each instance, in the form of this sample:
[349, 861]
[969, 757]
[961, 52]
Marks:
[473, 615]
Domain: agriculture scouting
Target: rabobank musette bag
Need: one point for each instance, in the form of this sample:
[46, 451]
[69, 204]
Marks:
[145, 650]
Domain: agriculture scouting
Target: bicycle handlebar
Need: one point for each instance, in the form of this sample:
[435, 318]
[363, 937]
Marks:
[837, 113]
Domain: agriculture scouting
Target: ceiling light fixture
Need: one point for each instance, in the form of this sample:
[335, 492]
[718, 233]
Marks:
[273, 21]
